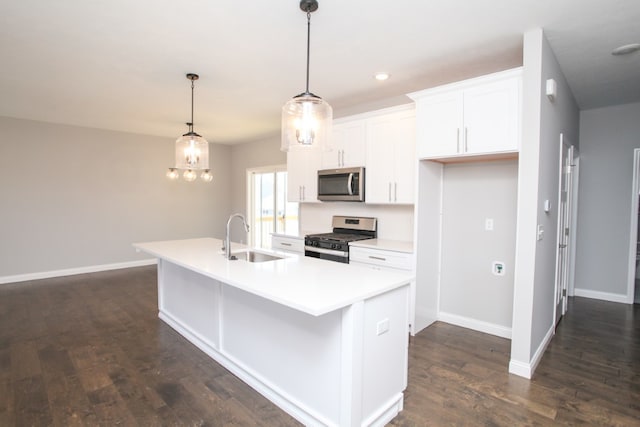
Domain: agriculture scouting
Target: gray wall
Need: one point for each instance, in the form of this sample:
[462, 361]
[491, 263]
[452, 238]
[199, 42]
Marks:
[608, 137]
[76, 197]
[543, 122]
[473, 192]
[247, 156]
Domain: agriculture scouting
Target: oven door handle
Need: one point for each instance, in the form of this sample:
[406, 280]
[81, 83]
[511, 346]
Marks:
[326, 251]
[350, 184]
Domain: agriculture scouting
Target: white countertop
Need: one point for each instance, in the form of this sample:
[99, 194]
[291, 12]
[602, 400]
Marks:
[386, 245]
[310, 285]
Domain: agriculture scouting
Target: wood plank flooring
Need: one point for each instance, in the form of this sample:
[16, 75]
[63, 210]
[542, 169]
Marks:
[90, 350]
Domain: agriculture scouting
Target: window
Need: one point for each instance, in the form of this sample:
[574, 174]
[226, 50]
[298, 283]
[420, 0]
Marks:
[268, 208]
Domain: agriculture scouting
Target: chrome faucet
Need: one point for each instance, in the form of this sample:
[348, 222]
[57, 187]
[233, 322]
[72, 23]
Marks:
[227, 240]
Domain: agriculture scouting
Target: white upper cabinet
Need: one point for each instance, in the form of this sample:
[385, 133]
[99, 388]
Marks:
[348, 145]
[302, 174]
[474, 117]
[391, 158]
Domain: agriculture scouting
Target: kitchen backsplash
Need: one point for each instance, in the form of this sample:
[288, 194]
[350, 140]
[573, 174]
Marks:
[395, 222]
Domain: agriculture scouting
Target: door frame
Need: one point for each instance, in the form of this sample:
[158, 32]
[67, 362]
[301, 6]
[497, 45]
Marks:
[633, 240]
[564, 224]
[575, 180]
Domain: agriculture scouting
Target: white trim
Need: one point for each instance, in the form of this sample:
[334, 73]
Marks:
[476, 325]
[633, 240]
[73, 271]
[526, 370]
[574, 222]
[520, 369]
[604, 296]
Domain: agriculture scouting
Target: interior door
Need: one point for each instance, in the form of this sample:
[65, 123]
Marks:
[565, 198]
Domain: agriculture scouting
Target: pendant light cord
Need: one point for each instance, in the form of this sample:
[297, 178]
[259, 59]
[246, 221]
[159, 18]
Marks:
[191, 124]
[308, 46]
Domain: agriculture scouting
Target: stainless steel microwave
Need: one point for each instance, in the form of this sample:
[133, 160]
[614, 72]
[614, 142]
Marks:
[345, 184]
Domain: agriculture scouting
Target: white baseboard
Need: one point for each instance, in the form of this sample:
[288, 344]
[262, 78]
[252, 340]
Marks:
[605, 296]
[72, 271]
[476, 325]
[520, 369]
[526, 370]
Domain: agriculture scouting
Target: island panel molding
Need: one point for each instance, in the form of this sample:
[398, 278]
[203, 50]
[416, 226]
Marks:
[352, 351]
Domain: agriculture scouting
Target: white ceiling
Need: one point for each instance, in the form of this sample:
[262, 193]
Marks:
[121, 64]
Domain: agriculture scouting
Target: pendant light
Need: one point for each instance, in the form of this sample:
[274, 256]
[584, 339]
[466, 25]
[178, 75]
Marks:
[307, 118]
[192, 151]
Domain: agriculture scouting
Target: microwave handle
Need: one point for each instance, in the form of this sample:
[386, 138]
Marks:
[350, 184]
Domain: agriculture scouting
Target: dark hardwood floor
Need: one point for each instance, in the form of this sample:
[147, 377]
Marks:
[90, 350]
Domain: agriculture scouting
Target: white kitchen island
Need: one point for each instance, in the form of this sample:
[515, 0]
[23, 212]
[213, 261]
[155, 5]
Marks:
[325, 341]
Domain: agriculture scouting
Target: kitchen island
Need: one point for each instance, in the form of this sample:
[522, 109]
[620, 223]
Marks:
[325, 341]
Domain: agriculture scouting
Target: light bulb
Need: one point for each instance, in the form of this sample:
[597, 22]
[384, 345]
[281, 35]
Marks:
[206, 176]
[306, 125]
[192, 154]
[189, 175]
[173, 174]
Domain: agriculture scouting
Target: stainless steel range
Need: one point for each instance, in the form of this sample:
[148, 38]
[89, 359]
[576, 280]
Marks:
[335, 246]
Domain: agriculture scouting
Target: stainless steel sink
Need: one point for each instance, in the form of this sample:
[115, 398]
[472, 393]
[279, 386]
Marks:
[254, 256]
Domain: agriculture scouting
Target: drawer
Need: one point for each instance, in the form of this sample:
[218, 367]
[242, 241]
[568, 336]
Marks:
[288, 244]
[376, 257]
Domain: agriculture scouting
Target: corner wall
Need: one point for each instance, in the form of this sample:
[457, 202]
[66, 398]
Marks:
[75, 199]
[538, 180]
[608, 137]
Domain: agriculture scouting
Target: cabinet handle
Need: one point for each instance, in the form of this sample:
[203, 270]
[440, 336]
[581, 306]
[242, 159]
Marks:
[304, 192]
[379, 258]
[285, 244]
[341, 157]
[389, 190]
[395, 192]
[466, 145]
[457, 140]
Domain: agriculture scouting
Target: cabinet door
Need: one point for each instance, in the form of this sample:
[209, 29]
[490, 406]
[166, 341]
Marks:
[391, 158]
[405, 162]
[491, 117]
[440, 118]
[302, 174]
[379, 175]
[348, 144]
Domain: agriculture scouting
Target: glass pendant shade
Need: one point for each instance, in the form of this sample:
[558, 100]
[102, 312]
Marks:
[189, 175]
[192, 152]
[206, 176]
[306, 120]
[173, 174]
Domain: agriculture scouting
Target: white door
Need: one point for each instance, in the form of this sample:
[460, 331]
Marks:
[565, 198]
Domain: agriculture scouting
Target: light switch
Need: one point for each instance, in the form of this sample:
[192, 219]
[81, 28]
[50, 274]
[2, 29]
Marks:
[383, 326]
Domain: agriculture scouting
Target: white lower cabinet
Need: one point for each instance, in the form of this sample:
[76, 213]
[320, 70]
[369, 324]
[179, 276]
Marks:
[381, 259]
[290, 244]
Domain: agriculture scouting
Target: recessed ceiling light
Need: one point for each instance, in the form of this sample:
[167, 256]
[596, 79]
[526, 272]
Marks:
[381, 76]
[626, 49]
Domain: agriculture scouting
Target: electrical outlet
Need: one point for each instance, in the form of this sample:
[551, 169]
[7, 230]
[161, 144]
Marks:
[497, 268]
[488, 224]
